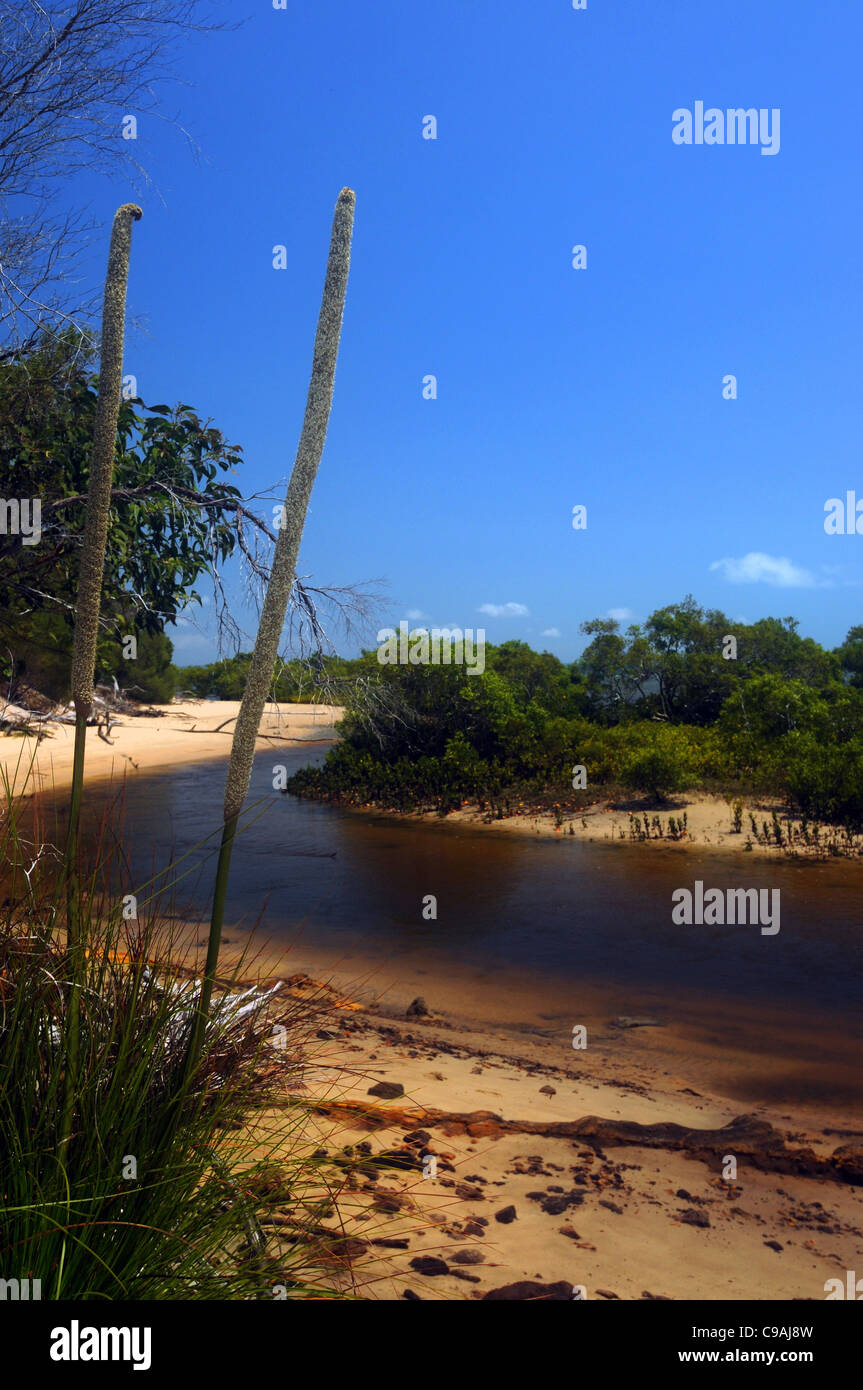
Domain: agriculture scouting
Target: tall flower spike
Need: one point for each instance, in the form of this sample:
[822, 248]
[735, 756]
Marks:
[281, 580]
[308, 458]
[102, 462]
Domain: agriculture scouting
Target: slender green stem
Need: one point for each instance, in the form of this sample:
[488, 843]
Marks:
[217, 919]
[74, 943]
[71, 854]
[77, 785]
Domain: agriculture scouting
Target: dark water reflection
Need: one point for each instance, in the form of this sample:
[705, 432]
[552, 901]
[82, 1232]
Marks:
[543, 915]
[550, 906]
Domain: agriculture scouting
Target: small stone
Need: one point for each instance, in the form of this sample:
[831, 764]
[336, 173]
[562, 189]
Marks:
[536, 1292]
[350, 1248]
[390, 1202]
[691, 1217]
[554, 1206]
[429, 1265]
[469, 1257]
[505, 1215]
[468, 1193]
[417, 1008]
[386, 1090]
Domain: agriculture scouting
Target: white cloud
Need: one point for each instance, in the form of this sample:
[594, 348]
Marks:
[621, 615]
[757, 568]
[414, 613]
[505, 610]
[551, 632]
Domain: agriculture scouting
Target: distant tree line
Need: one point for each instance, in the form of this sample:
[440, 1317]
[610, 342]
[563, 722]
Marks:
[666, 705]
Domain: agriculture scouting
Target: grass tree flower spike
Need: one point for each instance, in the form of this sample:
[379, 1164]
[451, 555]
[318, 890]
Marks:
[102, 460]
[281, 579]
[99, 491]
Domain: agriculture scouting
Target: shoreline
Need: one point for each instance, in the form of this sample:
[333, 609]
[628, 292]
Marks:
[708, 826]
[641, 1035]
[191, 731]
[186, 731]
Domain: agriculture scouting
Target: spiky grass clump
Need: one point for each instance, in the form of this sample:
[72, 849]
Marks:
[161, 1192]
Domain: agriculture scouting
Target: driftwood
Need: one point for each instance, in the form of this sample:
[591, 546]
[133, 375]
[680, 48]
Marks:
[108, 704]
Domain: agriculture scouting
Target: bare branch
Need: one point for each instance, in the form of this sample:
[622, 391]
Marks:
[71, 73]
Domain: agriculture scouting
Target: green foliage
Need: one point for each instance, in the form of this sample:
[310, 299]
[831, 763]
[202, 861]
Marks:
[850, 656]
[657, 710]
[662, 766]
[149, 676]
[297, 682]
[675, 665]
[173, 513]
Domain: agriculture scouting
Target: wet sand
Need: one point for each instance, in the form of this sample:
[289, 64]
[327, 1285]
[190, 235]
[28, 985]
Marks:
[539, 1184]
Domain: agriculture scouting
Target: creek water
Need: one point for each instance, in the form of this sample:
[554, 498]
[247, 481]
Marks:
[535, 932]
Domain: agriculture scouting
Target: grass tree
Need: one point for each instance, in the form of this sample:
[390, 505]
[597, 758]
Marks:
[88, 606]
[281, 579]
[98, 504]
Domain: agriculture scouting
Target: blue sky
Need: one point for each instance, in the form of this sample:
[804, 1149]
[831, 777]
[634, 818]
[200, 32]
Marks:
[556, 386]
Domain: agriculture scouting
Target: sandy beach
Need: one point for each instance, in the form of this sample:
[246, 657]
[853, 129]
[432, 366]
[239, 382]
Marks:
[483, 1164]
[186, 731]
